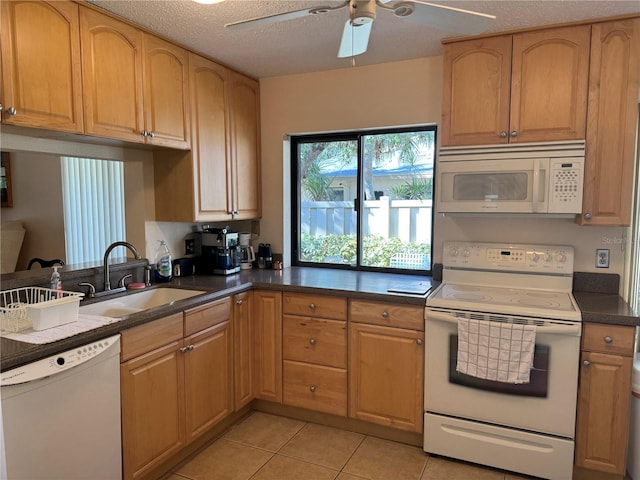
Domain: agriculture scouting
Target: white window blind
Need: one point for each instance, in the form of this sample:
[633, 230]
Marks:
[93, 201]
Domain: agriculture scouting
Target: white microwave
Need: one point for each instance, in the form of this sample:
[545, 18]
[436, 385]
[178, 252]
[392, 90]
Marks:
[516, 178]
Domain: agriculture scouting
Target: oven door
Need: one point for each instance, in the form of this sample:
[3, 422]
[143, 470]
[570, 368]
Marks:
[546, 405]
[502, 186]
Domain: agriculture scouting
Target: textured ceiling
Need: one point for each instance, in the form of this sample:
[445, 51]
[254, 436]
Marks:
[311, 44]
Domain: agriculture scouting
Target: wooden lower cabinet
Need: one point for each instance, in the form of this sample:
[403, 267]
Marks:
[604, 397]
[267, 343]
[243, 349]
[208, 378]
[315, 387]
[386, 375]
[174, 388]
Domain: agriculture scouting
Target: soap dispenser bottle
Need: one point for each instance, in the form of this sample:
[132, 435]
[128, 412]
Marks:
[56, 282]
[163, 271]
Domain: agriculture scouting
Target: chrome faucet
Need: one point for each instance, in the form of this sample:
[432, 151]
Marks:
[107, 282]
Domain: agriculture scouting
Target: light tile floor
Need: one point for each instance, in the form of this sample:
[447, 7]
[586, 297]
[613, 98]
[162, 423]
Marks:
[270, 447]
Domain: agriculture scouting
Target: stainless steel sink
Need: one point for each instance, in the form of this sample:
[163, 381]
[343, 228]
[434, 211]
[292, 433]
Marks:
[138, 302]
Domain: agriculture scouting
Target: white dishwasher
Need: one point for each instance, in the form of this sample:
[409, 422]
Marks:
[61, 415]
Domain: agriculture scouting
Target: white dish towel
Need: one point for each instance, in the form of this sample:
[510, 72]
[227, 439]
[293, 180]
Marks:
[497, 351]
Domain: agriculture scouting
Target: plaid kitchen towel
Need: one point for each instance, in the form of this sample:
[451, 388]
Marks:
[498, 351]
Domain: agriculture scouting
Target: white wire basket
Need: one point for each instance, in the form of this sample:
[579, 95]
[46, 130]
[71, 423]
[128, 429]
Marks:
[38, 308]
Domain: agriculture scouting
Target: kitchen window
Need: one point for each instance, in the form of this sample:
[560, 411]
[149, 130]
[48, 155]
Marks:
[93, 202]
[364, 200]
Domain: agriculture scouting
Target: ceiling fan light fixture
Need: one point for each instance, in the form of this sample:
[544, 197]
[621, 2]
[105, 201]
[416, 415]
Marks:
[403, 9]
[319, 10]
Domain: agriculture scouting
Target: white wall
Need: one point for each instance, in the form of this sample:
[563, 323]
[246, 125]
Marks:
[402, 93]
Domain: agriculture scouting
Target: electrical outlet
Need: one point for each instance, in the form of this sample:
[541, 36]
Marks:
[602, 258]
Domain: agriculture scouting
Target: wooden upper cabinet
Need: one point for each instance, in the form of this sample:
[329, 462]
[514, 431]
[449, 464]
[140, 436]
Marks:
[166, 99]
[550, 74]
[41, 79]
[475, 91]
[209, 141]
[112, 76]
[136, 85]
[243, 96]
[526, 87]
[612, 123]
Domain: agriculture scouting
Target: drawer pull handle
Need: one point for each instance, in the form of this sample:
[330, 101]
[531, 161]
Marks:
[312, 306]
[312, 388]
[312, 341]
[238, 302]
[183, 349]
[608, 339]
[586, 363]
[385, 314]
[419, 341]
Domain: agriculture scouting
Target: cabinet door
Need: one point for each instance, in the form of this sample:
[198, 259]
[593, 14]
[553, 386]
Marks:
[268, 345]
[152, 409]
[475, 96]
[208, 378]
[243, 96]
[243, 348]
[549, 84]
[40, 55]
[166, 99]
[612, 123]
[603, 412]
[212, 170]
[386, 389]
[111, 76]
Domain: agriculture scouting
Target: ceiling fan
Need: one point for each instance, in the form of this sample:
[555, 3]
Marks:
[362, 13]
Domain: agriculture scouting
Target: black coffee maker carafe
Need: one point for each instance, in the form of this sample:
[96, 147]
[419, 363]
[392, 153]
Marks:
[265, 256]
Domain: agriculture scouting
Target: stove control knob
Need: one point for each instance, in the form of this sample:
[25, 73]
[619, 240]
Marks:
[466, 253]
[453, 251]
[535, 257]
[547, 257]
[560, 257]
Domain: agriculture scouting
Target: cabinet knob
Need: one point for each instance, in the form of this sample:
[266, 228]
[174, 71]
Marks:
[503, 134]
[419, 341]
[385, 314]
[144, 133]
[514, 134]
[238, 302]
[586, 363]
[151, 134]
[312, 341]
[11, 111]
[183, 349]
[587, 216]
[191, 347]
[608, 339]
[312, 306]
[312, 388]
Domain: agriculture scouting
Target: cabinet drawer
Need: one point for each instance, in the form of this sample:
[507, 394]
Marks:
[389, 315]
[618, 339]
[144, 338]
[315, 305]
[316, 387]
[314, 340]
[206, 316]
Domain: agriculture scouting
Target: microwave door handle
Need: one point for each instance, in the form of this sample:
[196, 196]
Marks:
[537, 185]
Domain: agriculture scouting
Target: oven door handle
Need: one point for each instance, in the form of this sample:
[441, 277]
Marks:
[573, 329]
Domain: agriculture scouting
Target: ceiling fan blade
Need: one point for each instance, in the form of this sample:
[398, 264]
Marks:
[355, 39]
[281, 17]
[443, 17]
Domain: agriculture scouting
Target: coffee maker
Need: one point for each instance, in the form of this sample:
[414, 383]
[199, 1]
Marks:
[217, 251]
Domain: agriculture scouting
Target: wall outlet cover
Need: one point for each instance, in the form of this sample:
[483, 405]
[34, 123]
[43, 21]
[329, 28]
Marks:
[602, 258]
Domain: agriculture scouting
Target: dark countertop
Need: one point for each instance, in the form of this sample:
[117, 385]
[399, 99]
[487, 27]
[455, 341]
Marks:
[366, 285]
[605, 308]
